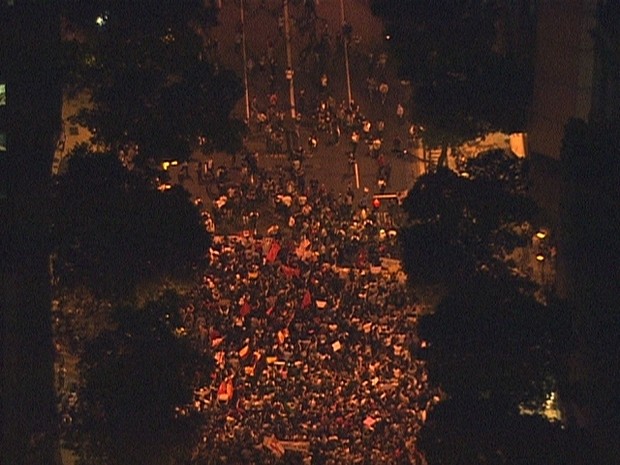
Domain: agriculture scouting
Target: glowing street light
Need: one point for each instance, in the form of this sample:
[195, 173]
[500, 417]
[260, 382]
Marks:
[540, 258]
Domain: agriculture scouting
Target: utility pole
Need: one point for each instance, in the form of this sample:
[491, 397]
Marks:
[289, 59]
[245, 64]
[345, 44]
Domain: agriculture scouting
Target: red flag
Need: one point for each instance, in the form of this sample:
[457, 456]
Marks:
[222, 392]
[307, 300]
[289, 271]
[245, 308]
[230, 389]
[272, 254]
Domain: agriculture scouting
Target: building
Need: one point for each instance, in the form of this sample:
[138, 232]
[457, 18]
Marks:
[573, 78]
[30, 109]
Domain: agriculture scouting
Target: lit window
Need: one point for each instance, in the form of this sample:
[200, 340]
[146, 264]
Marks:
[2, 94]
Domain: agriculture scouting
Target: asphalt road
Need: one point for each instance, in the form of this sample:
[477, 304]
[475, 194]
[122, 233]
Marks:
[262, 21]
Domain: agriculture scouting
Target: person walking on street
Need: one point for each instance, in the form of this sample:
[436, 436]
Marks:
[400, 113]
[199, 172]
[355, 140]
[371, 84]
[383, 90]
[352, 162]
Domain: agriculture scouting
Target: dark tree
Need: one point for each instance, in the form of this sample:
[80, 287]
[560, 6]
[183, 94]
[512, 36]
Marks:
[137, 383]
[459, 225]
[491, 343]
[30, 118]
[467, 77]
[114, 230]
[495, 352]
[459, 433]
[589, 252]
[153, 91]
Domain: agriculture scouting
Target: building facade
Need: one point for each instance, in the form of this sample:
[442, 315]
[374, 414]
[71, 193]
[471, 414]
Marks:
[574, 76]
[30, 112]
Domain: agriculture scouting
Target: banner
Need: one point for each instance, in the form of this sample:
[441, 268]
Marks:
[289, 271]
[307, 300]
[296, 446]
[275, 446]
[245, 308]
[226, 391]
[272, 254]
[244, 352]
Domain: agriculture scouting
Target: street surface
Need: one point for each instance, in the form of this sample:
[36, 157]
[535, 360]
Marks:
[329, 163]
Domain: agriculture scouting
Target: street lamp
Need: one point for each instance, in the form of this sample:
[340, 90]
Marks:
[540, 258]
[541, 234]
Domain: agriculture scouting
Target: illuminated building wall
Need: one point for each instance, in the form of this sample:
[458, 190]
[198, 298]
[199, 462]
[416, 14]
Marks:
[564, 70]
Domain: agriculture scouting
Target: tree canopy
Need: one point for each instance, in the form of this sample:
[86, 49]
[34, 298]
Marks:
[589, 251]
[458, 433]
[154, 92]
[113, 229]
[491, 342]
[467, 78]
[492, 348]
[458, 225]
[137, 381]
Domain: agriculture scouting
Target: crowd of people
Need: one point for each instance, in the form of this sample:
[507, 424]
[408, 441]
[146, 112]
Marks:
[310, 325]
[313, 335]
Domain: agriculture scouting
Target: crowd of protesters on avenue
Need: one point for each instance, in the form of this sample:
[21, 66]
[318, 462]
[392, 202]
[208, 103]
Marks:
[313, 333]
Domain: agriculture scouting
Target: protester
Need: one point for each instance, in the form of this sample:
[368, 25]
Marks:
[313, 334]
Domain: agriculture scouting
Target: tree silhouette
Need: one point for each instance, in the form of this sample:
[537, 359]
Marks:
[459, 225]
[467, 79]
[137, 383]
[114, 230]
[154, 94]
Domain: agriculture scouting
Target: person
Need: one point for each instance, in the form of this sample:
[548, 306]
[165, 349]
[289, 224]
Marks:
[301, 102]
[371, 84]
[273, 100]
[199, 172]
[381, 161]
[312, 143]
[324, 83]
[375, 147]
[335, 130]
[238, 38]
[366, 127]
[383, 90]
[352, 162]
[381, 184]
[185, 170]
[380, 127]
[355, 139]
[400, 113]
